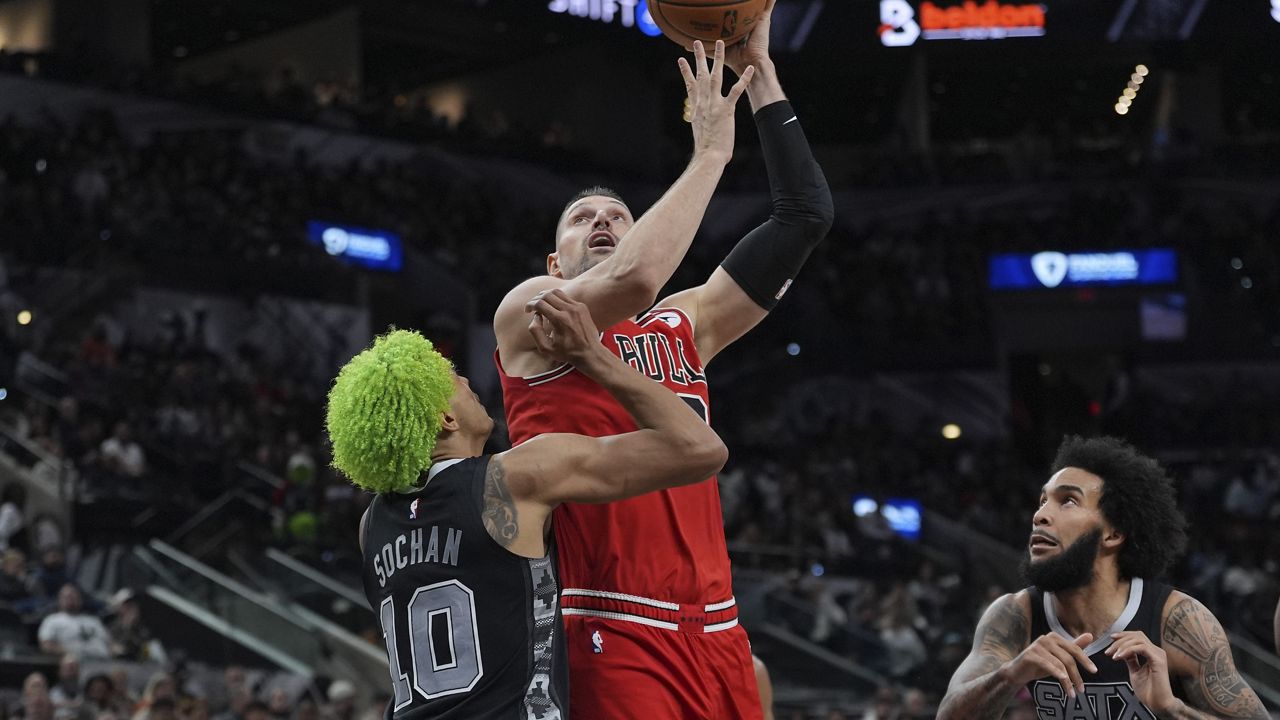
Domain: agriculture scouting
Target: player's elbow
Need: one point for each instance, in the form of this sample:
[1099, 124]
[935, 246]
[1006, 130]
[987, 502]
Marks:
[705, 455]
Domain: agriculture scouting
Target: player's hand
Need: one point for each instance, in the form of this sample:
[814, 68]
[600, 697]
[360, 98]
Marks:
[1148, 669]
[752, 50]
[562, 328]
[1053, 656]
[710, 113]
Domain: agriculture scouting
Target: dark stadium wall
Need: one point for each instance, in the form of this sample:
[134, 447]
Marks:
[113, 31]
[328, 50]
[610, 101]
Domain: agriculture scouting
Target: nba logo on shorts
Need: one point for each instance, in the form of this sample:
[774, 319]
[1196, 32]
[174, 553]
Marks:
[597, 642]
[413, 509]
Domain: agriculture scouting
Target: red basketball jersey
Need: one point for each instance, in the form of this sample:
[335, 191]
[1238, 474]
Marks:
[667, 545]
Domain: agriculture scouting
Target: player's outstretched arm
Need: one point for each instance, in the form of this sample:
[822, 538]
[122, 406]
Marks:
[672, 446]
[760, 269]
[1199, 654]
[628, 282]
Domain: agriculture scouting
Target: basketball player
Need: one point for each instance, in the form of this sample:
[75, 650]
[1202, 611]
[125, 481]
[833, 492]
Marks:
[1096, 636]
[649, 610]
[456, 543]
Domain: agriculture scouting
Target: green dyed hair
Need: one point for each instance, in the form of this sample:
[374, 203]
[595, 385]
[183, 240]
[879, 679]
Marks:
[385, 411]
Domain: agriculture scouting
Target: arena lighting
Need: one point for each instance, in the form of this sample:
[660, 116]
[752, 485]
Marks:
[793, 349]
[24, 317]
[4, 393]
[951, 431]
[1131, 89]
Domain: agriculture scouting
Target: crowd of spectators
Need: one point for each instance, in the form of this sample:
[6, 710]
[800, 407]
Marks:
[180, 691]
[165, 419]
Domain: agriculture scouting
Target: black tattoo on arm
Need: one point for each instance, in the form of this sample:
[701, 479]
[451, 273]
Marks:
[976, 691]
[1215, 686]
[499, 507]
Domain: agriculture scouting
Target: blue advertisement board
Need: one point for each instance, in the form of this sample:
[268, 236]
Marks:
[373, 249]
[1047, 270]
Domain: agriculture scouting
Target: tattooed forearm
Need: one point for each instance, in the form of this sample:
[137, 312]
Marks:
[499, 508]
[978, 691]
[1215, 687]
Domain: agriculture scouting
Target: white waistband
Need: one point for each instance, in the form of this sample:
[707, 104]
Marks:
[662, 604]
[626, 617]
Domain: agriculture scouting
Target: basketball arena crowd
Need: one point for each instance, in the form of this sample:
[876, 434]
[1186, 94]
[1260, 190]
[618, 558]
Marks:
[134, 418]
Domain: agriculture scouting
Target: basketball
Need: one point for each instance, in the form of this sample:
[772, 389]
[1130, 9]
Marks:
[707, 20]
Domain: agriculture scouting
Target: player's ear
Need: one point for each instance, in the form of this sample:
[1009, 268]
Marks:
[1112, 538]
[553, 265]
[450, 423]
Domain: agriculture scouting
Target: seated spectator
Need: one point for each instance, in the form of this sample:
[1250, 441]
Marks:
[36, 704]
[122, 454]
[342, 701]
[17, 586]
[99, 697]
[52, 573]
[130, 638]
[71, 630]
[13, 502]
[65, 694]
[161, 690]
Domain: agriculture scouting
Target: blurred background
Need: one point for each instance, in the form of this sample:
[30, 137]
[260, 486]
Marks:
[207, 207]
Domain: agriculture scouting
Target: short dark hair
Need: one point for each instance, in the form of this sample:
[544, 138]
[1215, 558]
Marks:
[592, 191]
[1137, 499]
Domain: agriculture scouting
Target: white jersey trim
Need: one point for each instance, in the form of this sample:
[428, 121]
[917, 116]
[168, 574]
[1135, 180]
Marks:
[717, 607]
[641, 620]
[622, 616]
[578, 592]
[662, 604]
[559, 373]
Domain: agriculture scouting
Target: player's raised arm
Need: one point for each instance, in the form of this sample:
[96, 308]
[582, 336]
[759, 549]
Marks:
[672, 446]
[628, 280]
[760, 269]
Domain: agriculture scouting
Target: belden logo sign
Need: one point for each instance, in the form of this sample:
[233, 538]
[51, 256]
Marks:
[901, 25]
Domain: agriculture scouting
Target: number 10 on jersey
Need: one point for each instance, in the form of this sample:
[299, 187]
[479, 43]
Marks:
[444, 643]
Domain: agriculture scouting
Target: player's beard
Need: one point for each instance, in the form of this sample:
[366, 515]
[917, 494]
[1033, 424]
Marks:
[1072, 568]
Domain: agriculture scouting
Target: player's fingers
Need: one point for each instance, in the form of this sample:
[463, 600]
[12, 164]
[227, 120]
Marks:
[687, 73]
[539, 335]
[717, 67]
[1076, 650]
[768, 10]
[1053, 667]
[550, 313]
[1069, 664]
[558, 299]
[740, 87]
[700, 57]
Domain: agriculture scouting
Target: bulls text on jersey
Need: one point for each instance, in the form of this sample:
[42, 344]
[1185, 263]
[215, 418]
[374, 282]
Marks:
[653, 356]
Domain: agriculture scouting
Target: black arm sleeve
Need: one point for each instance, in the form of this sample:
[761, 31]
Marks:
[766, 261]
